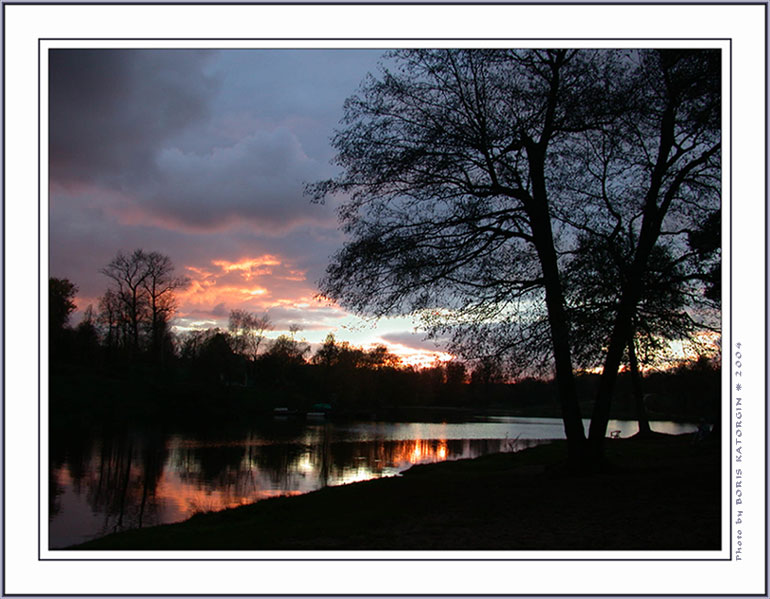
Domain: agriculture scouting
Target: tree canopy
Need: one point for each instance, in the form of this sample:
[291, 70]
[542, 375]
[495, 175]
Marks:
[470, 175]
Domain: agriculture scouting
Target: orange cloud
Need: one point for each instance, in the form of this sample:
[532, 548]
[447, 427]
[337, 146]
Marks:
[250, 267]
[252, 283]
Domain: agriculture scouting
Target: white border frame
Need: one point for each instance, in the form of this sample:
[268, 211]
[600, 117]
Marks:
[25, 24]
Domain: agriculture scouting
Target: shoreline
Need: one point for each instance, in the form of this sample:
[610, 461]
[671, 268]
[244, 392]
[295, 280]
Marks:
[507, 501]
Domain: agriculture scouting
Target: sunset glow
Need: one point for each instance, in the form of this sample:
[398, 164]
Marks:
[253, 284]
[225, 201]
[250, 267]
[181, 491]
[421, 358]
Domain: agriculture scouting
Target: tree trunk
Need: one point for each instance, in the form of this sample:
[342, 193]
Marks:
[650, 231]
[620, 333]
[636, 382]
[542, 234]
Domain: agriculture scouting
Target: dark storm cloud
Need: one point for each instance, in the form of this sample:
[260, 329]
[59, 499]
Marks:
[200, 139]
[259, 179]
[202, 156]
[111, 110]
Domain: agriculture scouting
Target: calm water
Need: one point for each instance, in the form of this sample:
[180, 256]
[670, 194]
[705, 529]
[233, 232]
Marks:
[97, 486]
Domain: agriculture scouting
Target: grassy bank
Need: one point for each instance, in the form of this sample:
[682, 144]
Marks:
[660, 494]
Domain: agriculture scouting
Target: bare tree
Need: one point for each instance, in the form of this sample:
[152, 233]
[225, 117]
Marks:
[248, 332]
[671, 306]
[129, 274]
[670, 170]
[159, 285]
[141, 299]
[447, 162]
[114, 329]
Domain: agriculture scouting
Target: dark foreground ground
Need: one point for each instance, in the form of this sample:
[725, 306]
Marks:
[661, 493]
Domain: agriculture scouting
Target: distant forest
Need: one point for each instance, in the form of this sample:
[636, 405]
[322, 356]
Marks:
[124, 361]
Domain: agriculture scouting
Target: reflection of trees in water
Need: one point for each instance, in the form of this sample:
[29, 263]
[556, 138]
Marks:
[118, 475]
[379, 456]
[252, 468]
[70, 455]
[279, 462]
[153, 459]
[55, 491]
[217, 468]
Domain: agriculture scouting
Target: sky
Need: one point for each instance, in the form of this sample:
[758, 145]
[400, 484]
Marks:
[202, 155]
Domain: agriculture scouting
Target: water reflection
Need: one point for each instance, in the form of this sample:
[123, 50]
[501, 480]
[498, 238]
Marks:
[125, 480]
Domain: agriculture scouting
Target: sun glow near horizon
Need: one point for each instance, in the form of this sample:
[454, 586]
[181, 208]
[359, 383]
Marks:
[270, 284]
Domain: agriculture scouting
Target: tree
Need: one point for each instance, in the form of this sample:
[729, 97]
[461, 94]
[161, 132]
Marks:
[380, 357]
[136, 310]
[447, 161]
[456, 373]
[470, 173]
[129, 274]
[113, 322]
[248, 332]
[328, 354]
[159, 286]
[288, 350]
[594, 278]
[61, 295]
[705, 241]
[671, 173]
[61, 304]
[216, 359]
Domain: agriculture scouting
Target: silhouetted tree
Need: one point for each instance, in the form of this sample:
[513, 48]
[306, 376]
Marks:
[380, 357]
[289, 349]
[328, 354]
[670, 173]
[705, 241]
[112, 319]
[137, 309]
[595, 278]
[191, 342]
[447, 161]
[159, 285]
[216, 360]
[129, 274]
[248, 332]
[61, 295]
[61, 304]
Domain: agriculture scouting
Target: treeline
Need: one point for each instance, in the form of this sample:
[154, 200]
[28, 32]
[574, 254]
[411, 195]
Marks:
[123, 355]
[131, 323]
[126, 340]
[123, 358]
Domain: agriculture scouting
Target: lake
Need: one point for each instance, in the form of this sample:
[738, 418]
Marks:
[132, 479]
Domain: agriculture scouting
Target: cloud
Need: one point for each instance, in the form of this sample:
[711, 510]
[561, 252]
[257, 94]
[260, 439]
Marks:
[253, 283]
[202, 156]
[416, 340]
[258, 180]
[110, 111]
[197, 140]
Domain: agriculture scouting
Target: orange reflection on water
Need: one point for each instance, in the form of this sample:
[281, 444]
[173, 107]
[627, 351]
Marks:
[419, 451]
[388, 459]
[188, 499]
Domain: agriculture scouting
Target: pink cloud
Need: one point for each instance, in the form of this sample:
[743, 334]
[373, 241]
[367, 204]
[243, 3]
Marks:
[254, 283]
